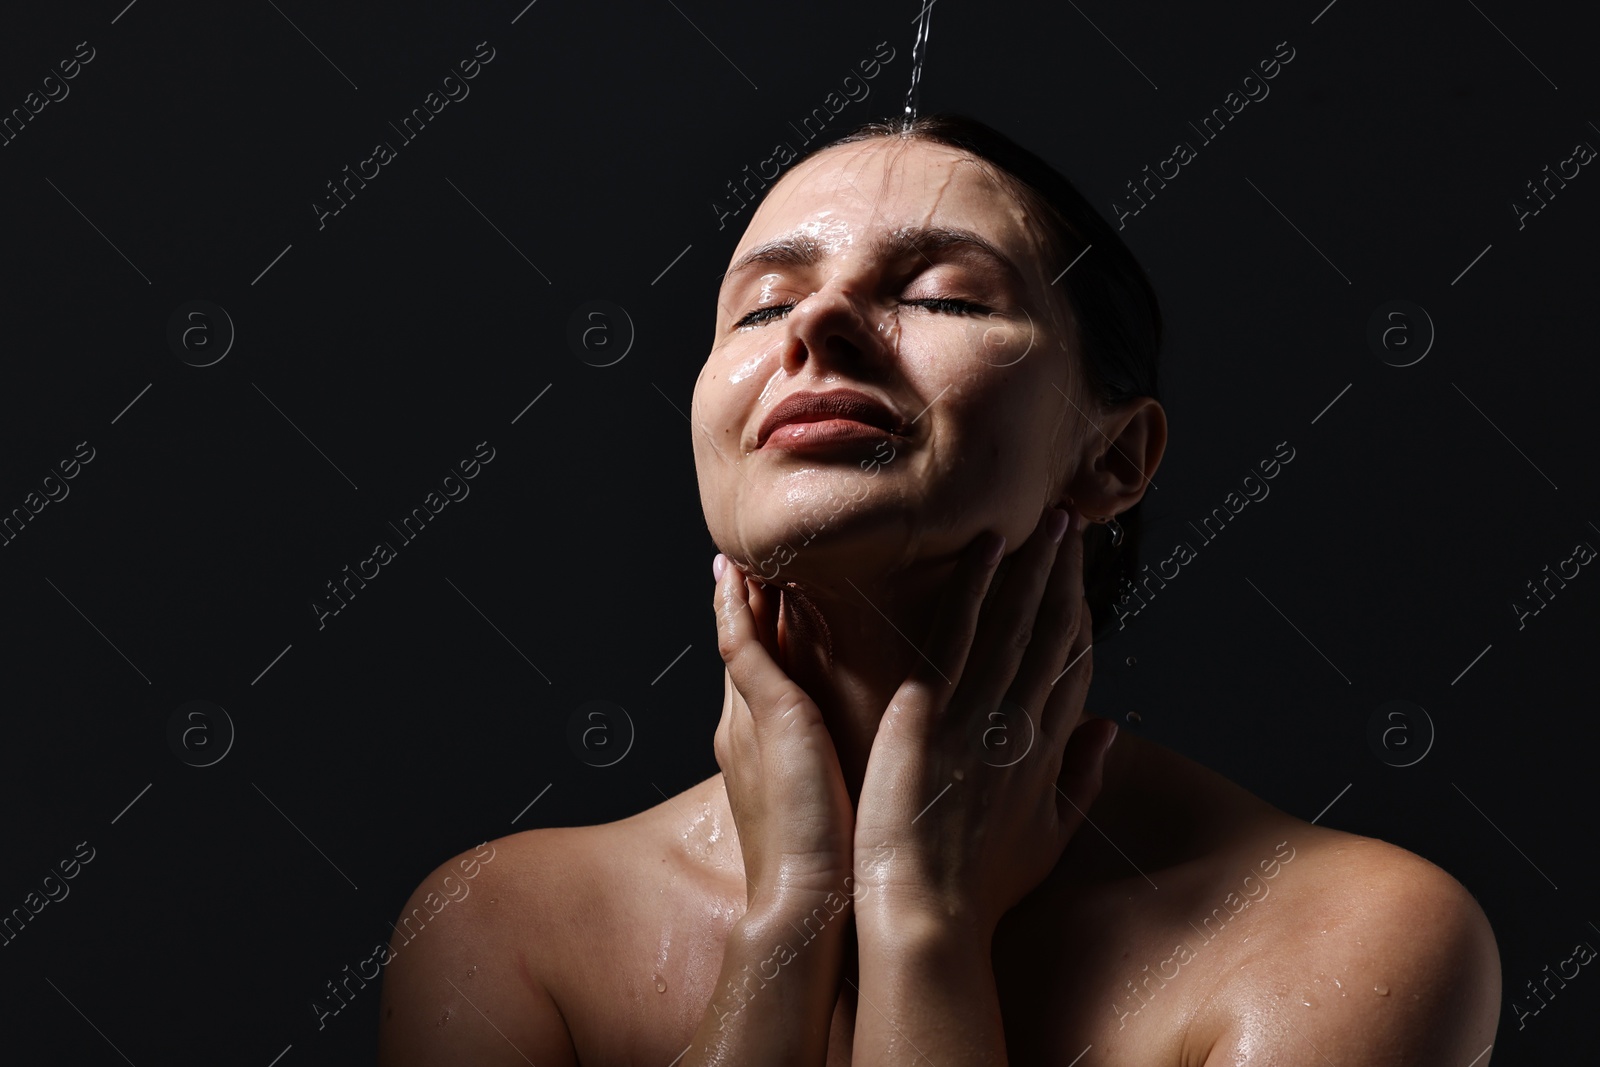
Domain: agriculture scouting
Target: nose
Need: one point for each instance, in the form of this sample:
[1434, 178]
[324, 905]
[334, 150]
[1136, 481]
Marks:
[832, 327]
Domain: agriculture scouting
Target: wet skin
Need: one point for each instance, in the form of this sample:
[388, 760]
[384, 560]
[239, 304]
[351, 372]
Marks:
[604, 944]
[572, 930]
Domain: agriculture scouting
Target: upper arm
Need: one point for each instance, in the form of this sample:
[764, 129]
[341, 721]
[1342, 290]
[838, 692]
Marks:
[1419, 980]
[457, 987]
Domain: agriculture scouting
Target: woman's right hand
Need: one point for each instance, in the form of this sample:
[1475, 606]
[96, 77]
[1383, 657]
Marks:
[780, 768]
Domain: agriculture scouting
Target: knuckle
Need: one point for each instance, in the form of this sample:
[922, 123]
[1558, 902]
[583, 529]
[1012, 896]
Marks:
[792, 701]
[729, 644]
[1062, 613]
[1021, 634]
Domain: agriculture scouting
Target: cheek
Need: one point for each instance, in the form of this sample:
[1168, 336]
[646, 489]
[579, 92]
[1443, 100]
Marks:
[998, 429]
[743, 362]
[710, 397]
[697, 399]
[1005, 342]
[736, 375]
[706, 407]
[979, 349]
[988, 374]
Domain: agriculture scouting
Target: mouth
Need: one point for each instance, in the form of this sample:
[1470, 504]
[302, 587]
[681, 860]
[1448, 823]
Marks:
[806, 418]
[795, 436]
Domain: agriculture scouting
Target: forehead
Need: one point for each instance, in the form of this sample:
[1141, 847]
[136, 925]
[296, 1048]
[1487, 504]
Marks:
[851, 195]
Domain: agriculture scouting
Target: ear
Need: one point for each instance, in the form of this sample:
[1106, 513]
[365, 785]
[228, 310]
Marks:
[1121, 453]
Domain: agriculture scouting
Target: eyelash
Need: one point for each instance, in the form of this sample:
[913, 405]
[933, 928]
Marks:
[943, 304]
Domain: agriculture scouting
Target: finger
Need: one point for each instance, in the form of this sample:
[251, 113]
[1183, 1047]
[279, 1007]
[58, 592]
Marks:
[766, 689]
[1064, 704]
[1082, 773]
[1006, 624]
[763, 605]
[1056, 627]
[956, 619]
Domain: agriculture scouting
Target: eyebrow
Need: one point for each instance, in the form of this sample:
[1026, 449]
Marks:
[802, 250]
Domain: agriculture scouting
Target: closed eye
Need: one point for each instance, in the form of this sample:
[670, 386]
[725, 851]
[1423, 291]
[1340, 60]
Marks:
[941, 304]
[761, 315]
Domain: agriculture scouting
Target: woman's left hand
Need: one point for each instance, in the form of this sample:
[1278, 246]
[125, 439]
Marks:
[973, 788]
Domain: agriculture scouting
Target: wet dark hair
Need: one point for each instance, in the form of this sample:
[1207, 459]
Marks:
[1118, 316]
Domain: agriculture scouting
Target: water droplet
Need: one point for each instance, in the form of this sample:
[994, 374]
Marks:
[1338, 850]
[472, 970]
[661, 987]
[959, 773]
[444, 1016]
[1381, 990]
[1308, 1002]
[1134, 717]
[1132, 660]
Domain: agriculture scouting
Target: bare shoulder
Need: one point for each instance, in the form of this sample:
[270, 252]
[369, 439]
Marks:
[457, 985]
[1370, 954]
[495, 952]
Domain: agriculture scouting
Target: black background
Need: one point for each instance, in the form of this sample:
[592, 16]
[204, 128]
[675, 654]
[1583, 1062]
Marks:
[378, 351]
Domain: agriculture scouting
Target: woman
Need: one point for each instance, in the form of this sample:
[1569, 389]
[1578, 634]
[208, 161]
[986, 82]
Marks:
[930, 353]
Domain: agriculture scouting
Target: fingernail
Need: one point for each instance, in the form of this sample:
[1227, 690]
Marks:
[719, 563]
[1056, 526]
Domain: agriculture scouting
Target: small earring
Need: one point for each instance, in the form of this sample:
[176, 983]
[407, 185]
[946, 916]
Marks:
[1116, 531]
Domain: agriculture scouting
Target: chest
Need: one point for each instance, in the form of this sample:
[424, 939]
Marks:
[1118, 974]
[1113, 981]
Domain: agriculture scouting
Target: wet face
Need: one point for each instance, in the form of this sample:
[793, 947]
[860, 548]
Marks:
[906, 271]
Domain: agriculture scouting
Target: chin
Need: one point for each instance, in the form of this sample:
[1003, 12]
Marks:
[825, 549]
[867, 545]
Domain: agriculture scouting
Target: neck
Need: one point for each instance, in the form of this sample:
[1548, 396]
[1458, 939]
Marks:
[851, 646]
[850, 650]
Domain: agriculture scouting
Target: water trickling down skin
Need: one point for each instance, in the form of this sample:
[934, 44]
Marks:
[661, 959]
[949, 370]
[831, 235]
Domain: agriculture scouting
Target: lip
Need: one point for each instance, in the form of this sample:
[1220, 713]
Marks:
[839, 408]
[822, 434]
